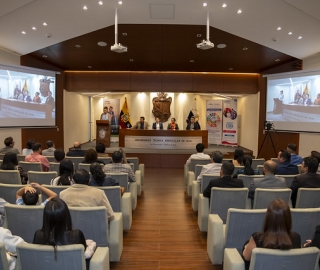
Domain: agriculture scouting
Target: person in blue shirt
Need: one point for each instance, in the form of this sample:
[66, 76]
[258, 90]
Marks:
[295, 159]
[284, 166]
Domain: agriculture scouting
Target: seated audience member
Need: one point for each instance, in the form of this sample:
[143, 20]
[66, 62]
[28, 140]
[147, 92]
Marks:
[193, 125]
[157, 124]
[212, 168]
[316, 155]
[295, 159]
[28, 150]
[101, 150]
[9, 143]
[80, 194]
[28, 195]
[65, 174]
[10, 242]
[117, 167]
[124, 157]
[76, 151]
[91, 156]
[57, 229]
[10, 162]
[225, 180]
[59, 155]
[141, 124]
[37, 98]
[50, 150]
[268, 181]
[238, 157]
[199, 154]
[247, 170]
[315, 242]
[37, 157]
[173, 125]
[307, 179]
[277, 232]
[284, 166]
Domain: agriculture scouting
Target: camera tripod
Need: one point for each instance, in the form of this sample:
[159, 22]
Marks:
[268, 137]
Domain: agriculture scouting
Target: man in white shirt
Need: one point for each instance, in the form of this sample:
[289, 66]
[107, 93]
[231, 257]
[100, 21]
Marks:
[214, 167]
[199, 154]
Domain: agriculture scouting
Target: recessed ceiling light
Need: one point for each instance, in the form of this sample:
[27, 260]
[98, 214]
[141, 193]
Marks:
[239, 11]
[44, 24]
[100, 3]
[23, 32]
[85, 8]
[102, 43]
[198, 35]
[89, 66]
[78, 46]
[244, 48]
[191, 61]
[224, 5]
[205, 4]
[300, 37]
[34, 28]
[221, 46]
[290, 33]
[230, 68]
[131, 60]
[124, 34]
[44, 56]
[120, 2]
[277, 60]
[279, 28]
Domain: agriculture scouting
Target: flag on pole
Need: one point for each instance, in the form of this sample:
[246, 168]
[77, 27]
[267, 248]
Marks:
[125, 121]
[193, 112]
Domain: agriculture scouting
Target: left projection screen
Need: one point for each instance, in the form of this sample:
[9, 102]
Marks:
[27, 97]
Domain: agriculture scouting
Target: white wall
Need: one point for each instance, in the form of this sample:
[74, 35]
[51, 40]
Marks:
[9, 58]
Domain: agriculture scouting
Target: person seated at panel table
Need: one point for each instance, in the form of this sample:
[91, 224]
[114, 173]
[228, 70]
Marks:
[193, 125]
[141, 124]
[173, 125]
[105, 114]
[26, 96]
[307, 100]
[157, 124]
[37, 98]
[317, 101]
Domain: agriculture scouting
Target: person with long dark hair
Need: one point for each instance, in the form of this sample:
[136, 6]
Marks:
[98, 177]
[238, 157]
[247, 170]
[10, 162]
[277, 233]
[28, 150]
[65, 174]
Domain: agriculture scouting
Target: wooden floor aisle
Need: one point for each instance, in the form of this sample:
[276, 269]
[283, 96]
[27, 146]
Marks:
[164, 232]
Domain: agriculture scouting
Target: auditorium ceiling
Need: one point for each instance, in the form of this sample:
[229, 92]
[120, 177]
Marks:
[162, 35]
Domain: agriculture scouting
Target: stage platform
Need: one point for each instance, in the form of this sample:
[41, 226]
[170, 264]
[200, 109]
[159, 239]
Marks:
[166, 158]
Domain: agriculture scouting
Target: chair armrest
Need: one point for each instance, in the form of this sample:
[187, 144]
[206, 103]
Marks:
[232, 260]
[100, 259]
[215, 241]
[189, 186]
[195, 195]
[126, 210]
[203, 213]
[185, 173]
[116, 237]
[134, 195]
[141, 168]
[138, 181]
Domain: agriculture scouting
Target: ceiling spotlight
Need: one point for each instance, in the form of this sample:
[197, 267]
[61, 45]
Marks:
[239, 11]
[198, 35]
[290, 33]
[300, 37]
[131, 60]
[44, 24]
[100, 3]
[120, 2]
[279, 28]
[44, 56]
[224, 5]
[230, 68]
[78, 46]
[34, 28]
[102, 43]
[191, 61]
[245, 48]
[205, 4]
[23, 32]
[221, 46]
[85, 8]
[89, 66]
[277, 60]
[124, 34]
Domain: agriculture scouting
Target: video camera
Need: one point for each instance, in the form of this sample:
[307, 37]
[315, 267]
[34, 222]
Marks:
[268, 125]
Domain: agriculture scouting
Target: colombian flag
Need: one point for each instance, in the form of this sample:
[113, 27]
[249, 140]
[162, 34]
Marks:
[125, 121]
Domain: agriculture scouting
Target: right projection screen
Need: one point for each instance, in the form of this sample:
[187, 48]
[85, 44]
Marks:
[293, 101]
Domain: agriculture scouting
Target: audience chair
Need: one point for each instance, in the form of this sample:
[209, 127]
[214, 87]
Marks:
[51, 158]
[21, 158]
[305, 221]
[256, 162]
[221, 200]
[192, 176]
[69, 257]
[4, 265]
[194, 162]
[299, 168]
[76, 161]
[24, 220]
[288, 178]
[8, 192]
[247, 179]
[1, 162]
[265, 259]
[260, 169]
[86, 166]
[137, 166]
[197, 188]
[54, 166]
[106, 160]
[308, 198]
[263, 196]
[30, 166]
[275, 160]
[240, 225]
[237, 168]
[10, 177]
[42, 178]
[55, 189]
[93, 222]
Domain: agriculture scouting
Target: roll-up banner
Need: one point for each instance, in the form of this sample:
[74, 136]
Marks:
[229, 134]
[214, 121]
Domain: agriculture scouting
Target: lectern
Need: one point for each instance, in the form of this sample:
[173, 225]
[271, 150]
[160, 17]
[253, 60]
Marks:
[103, 132]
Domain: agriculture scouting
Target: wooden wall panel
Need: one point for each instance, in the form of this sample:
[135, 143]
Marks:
[82, 81]
[177, 82]
[114, 81]
[241, 83]
[145, 82]
[207, 83]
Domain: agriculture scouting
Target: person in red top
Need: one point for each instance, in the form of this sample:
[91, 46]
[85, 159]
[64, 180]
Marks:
[173, 125]
[37, 157]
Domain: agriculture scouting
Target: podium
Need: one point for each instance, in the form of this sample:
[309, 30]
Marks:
[103, 132]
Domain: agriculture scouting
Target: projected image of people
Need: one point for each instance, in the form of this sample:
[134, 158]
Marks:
[27, 99]
[293, 101]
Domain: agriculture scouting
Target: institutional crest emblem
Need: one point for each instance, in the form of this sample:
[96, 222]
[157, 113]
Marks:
[102, 133]
[161, 106]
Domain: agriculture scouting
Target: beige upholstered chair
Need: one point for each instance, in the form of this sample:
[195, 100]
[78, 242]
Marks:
[308, 198]
[42, 178]
[55, 189]
[4, 265]
[10, 177]
[54, 166]
[260, 169]
[275, 160]
[265, 259]
[51, 158]
[137, 166]
[20, 158]
[247, 179]
[256, 162]
[240, 225]
[192, 176]
[8, 192]
[237, 168]
[86, 166]
[30, 166]
[106, 160]
[263, 196]
[288, 178]
[69, 257]
[75, 161]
